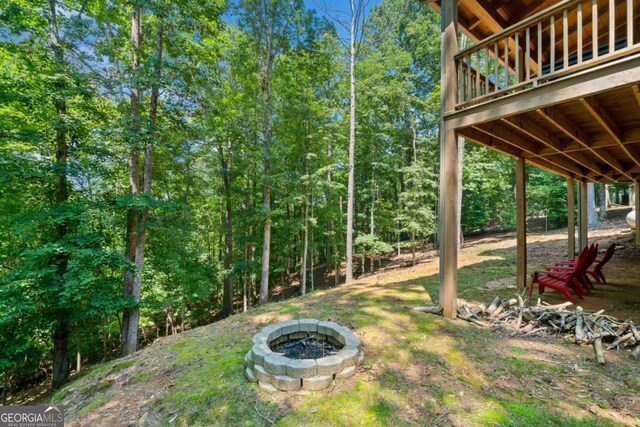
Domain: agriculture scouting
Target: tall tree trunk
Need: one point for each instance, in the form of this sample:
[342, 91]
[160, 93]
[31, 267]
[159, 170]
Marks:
[603, 200]
[333, 253]
[592, 218]
[305, 245]
[311, 250]
[60, 373]
[130, 316]
[413, 248]
[340, 218]
[134, 317]
[372, 225]
[372, 228]
[289, 247]
[61, 333]
[5, 388]
[266, 76]
[303, 273]
[414, 141]
[228, 239]
[253, 285]
[352, 143]
[245, 280]
[78, 359]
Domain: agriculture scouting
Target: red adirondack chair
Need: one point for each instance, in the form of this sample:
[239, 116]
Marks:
[598, 263]
[563, 282]
[596, 271]
[568, 266]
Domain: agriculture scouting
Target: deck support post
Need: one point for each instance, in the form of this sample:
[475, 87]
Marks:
[448, 227]
[521, 224]
[583, 220]
[637, 197]
[571, 218]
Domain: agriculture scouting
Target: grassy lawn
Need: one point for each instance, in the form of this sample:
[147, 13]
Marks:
[419, 369]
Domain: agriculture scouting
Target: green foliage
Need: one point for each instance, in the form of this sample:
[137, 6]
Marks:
[416, 216]
[61, 261]
[371, 244]
[547, 196]
[487, 197]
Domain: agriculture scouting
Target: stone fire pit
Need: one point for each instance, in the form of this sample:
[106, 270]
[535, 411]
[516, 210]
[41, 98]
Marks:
[273, 371]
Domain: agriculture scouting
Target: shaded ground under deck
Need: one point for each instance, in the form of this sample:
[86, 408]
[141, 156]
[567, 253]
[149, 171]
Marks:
[620, 297]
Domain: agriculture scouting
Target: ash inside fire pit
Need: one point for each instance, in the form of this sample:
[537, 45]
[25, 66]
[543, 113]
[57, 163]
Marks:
[302, 354]
[306, 348]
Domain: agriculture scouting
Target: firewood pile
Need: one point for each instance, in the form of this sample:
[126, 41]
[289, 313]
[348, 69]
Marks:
[593, 328]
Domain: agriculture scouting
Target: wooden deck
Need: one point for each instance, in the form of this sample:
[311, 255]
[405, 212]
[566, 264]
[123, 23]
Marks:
[553, 83]
[595, 138]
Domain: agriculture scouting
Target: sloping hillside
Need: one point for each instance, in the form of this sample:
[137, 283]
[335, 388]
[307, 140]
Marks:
[419, 369]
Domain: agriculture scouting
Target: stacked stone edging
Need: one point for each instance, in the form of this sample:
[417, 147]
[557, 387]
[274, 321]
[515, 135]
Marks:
[275, 372]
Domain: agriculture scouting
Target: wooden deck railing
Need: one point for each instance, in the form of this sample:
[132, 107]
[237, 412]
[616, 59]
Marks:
[567, 37]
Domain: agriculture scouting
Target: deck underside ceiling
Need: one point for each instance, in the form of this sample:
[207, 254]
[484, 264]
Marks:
[594, 138]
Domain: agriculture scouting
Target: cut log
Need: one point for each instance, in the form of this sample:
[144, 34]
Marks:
[579, 329]
[622, 329]
[493, 306]
[597, 348]
[428, 309]
[520, 311]
[552, 307]
[634, 331]
[596, 329]
[620, 341]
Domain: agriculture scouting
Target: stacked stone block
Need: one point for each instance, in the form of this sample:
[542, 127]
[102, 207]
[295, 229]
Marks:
[275, 372]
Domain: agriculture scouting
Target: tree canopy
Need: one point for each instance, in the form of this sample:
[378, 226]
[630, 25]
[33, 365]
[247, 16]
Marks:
[242, 110]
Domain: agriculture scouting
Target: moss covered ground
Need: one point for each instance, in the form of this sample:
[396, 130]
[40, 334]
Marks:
[419, 369]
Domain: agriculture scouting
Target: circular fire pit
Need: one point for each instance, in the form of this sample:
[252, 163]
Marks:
[318, 353]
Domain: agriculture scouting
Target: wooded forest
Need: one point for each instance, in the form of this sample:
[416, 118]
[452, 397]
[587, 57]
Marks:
[165, 164]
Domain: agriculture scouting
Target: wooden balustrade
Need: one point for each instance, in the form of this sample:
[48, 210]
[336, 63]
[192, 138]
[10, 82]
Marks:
[567, 37]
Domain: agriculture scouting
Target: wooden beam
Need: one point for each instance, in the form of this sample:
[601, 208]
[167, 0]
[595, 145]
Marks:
[521, 224]
[512, 137]
[490, 141]
[632, 136]
[474, 24]
[525, 13]
[488, 14]
[448, 219]
[629, 137]
[550, 167]
[555, 146]
[606, 121]
[613, 75]
[537, 132]
[497, 4]
[508, 135]
[637, 196]
[598, 112]
[463, 23]
[571, 218]
[482, 138]
[636, 92]
[515, 138]
[583, 221]
[595, 177]
[557, 118]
